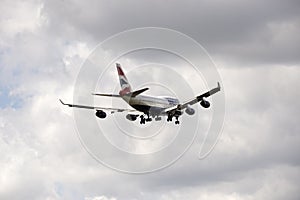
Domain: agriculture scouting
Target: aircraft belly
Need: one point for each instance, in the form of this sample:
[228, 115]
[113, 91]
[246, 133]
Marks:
[153, 108]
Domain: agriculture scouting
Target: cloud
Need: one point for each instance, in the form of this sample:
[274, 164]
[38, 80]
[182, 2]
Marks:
[99, 198]
[256, 32]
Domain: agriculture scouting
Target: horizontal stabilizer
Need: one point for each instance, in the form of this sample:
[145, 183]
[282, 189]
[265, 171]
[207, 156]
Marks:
[106, 95]
[137, 92]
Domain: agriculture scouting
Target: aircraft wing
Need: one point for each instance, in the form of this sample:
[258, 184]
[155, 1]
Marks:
[194, 100]
[98, 108]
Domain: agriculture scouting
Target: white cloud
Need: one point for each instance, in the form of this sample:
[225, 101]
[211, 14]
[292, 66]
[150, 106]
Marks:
[100, 198]
[26, 17]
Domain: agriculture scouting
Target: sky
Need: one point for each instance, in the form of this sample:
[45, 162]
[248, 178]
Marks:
[44, 45]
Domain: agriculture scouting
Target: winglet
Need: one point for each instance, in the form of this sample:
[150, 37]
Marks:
[62, 102]
[213, 91]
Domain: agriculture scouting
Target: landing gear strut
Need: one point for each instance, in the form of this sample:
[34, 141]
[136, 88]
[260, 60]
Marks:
[169, 119]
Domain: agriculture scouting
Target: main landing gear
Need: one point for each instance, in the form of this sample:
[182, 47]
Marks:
[177, 121]
[149, 119]
[169, 119]
[144, 120]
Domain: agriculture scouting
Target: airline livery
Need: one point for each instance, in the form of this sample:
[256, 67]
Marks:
[148, 107]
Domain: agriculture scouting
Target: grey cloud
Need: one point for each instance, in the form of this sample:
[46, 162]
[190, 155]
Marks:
[242, 31]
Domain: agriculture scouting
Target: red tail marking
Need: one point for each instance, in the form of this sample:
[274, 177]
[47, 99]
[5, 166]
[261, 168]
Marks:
[124, 91]
[120, 71]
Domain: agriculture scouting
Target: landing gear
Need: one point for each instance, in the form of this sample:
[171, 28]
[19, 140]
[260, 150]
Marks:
[177, 121]
[157, 118]
[148, 119]
[143, 120]
[169, 119]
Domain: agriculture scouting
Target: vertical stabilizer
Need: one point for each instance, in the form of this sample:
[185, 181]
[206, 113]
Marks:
[125, 86]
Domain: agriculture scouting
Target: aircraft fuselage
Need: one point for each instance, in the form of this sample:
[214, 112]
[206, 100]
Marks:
[151, 105]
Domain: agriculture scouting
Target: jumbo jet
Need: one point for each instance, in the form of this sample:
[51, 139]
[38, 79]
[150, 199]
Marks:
[148, 107]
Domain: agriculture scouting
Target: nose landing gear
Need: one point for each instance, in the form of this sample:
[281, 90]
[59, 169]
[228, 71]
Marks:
[157, 118]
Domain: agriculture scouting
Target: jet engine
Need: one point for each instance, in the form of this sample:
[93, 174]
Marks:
[189, 111]
[101, 114]
[131, 117]
[205, 104]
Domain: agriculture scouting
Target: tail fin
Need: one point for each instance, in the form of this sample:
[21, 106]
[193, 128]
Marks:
[125, 86]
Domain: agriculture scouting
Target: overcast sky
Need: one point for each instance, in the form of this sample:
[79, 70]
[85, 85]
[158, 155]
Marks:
[255, 46]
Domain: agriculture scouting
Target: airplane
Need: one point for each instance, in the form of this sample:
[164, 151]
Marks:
[145, 106]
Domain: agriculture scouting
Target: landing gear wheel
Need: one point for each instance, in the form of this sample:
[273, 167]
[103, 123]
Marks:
[148, 120]
[169, 119]
[157, 118]
[143, 120]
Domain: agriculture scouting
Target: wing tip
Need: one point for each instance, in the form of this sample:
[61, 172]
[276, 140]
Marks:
[62, 102]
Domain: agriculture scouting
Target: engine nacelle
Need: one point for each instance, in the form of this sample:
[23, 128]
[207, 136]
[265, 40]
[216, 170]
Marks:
[131, 117]
[205, 104]
[189, 111]
[101, 114]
